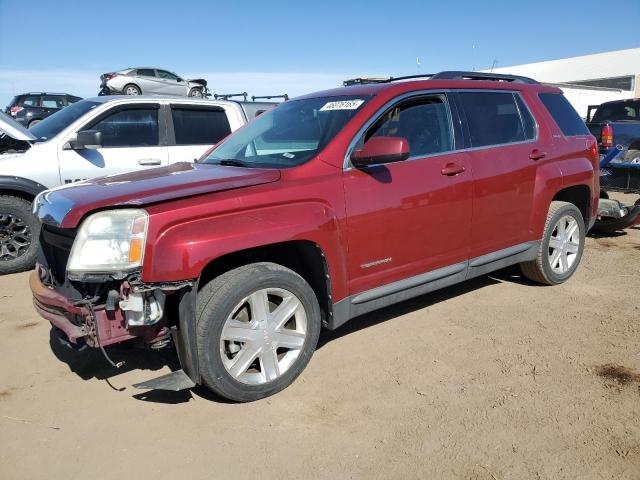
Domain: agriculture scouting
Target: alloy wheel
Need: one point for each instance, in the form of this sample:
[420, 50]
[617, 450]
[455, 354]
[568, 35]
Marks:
[15, 237]
[564, 244]
[263, 336]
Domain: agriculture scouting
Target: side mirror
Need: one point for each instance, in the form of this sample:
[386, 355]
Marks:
[381, 150]
[88, 139]
[179, 80]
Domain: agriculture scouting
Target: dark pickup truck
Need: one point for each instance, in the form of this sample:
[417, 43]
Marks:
[617, 123]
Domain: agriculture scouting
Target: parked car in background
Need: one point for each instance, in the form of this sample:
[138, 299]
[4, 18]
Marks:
[151, 81]
[31, 108]
[96, 137]
[328, 207]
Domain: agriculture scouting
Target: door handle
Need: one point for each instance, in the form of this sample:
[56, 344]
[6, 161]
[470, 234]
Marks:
[451, 169]
[537, 154]
[149, 161]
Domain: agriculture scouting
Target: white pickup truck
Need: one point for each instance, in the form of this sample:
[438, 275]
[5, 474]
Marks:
[97, 137]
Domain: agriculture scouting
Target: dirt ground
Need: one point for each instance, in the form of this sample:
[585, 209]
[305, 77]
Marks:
[493, 379]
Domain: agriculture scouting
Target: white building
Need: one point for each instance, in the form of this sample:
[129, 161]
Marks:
[588, 79]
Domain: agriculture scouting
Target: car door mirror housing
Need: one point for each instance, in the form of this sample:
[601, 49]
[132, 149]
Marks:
[379, 150]
[88, 140]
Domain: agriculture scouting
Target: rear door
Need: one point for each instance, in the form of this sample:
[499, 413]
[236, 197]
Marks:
[195, 128]
[502, 139]
[148, 81]
[414, 216]
[132, 140]
[51, 104]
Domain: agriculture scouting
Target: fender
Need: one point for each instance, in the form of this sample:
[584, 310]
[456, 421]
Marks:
[183, 250]
[548, 182]
[20, 184]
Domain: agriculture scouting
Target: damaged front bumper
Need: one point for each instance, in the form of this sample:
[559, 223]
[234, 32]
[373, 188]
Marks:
[136, 313]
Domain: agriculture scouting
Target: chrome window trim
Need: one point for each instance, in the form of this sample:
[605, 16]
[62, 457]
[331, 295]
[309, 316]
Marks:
[346, 164]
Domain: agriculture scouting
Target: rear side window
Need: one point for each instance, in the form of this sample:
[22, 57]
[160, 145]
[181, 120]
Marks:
[146, 72]
[493, 118]
[199, 126]
[31, 101]
[52, 102]
[425, 123]
[564, 114]
[129, 128]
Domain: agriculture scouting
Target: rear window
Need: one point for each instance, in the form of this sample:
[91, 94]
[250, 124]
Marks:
[494, 119]
[618, 112]
[199, 126]
[564, 114]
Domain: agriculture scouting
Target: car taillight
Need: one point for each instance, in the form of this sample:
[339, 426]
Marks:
[15, 110]
[606, 135]
[109, 76]
[594, 152]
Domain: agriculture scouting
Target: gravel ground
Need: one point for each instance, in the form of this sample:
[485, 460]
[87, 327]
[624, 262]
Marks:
[493, 379]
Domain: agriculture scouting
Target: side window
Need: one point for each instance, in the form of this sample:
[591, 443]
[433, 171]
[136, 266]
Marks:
[492, 118]
[146, 72]
[166, 75]
[528, 123]
[129, 128]
[564, 114]
[31, 101]
[424, 122]
[52, 102]
[199, 126]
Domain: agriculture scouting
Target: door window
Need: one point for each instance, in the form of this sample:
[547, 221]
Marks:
[425, 123]
[129, 128]
[30, 101]
[492, 118]
[52, 102]
[167, 76]
[199, 126]
[146, 72]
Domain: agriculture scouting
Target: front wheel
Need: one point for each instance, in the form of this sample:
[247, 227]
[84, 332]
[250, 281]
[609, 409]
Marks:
[561, 247]
[196, 93]
[19, 230]
[258, 326]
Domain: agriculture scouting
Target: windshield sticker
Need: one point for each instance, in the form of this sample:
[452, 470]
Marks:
[288, 155]
[342, 105]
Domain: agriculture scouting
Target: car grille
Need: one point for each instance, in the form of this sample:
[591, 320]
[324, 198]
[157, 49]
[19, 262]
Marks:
[55, 247]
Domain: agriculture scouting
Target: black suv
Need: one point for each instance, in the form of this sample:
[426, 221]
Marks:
[30, 108]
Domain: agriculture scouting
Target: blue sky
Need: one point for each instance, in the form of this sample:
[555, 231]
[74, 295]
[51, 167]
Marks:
[291, 46]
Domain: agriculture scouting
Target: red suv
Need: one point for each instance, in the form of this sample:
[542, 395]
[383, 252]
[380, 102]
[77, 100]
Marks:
[328, 207]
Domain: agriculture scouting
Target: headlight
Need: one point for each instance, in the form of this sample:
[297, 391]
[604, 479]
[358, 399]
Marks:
[108, 241]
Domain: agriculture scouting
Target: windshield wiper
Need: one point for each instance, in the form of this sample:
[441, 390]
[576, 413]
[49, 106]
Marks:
[233, 163]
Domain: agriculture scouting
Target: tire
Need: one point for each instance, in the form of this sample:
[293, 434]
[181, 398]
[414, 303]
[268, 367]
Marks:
[131, 89]
[632, 156]
[233, 369]
[18, 227]
[541, 269]
[196, 93]
[34, 122]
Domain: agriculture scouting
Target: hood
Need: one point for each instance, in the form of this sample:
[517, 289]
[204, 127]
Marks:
[66, 206]
[13, 129]
[201, 81]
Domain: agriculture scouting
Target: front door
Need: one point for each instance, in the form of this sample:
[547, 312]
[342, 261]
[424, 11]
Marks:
[171, 84]
[131, 141]
[413, 216]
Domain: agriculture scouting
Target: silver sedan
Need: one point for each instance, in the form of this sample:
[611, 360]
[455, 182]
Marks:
[150, 81]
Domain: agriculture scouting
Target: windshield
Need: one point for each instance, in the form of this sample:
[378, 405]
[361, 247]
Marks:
[54, 124]
[288, 136]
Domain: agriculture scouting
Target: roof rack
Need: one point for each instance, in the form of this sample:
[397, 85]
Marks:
[492, 77]
[284, 96]
[227, 96]
[446, 75]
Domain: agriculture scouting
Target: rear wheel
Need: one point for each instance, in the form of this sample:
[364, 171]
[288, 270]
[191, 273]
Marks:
[19, 230]
[258, 326]
[131, 89]
[561, 247]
